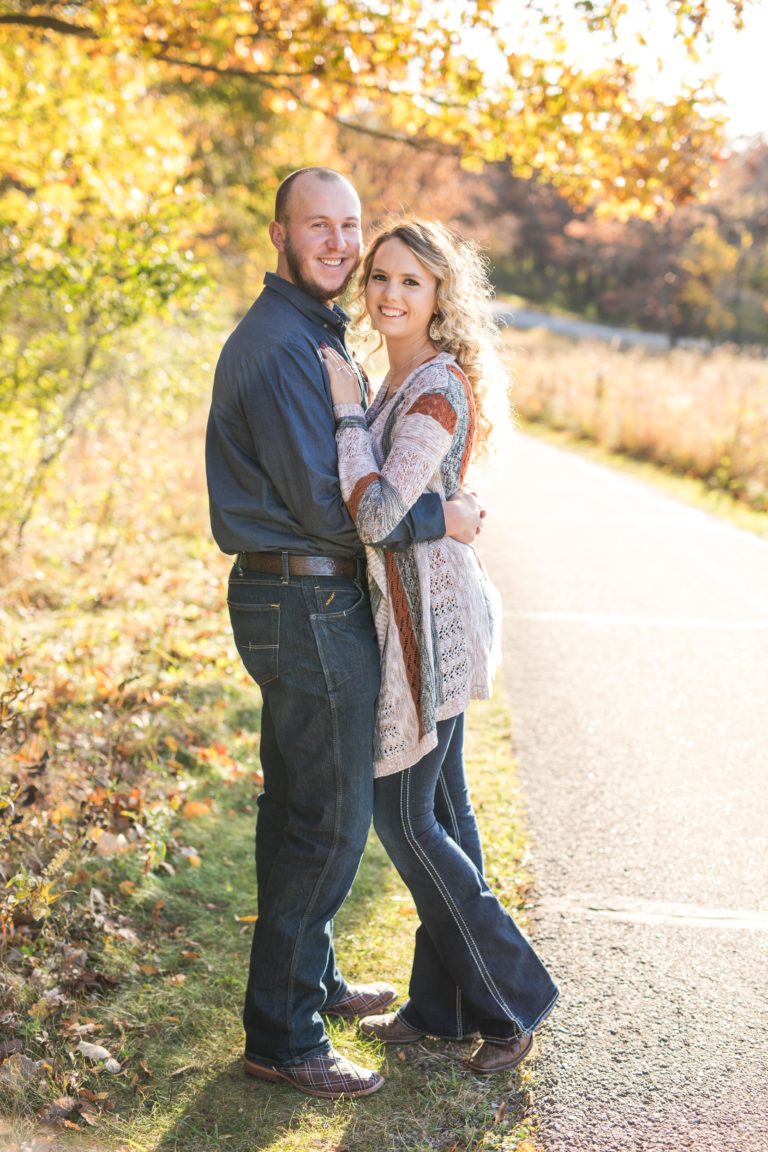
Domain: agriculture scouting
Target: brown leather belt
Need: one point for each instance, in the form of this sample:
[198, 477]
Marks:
[272, 563]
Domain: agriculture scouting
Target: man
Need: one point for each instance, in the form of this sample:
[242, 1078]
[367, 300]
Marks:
[302, 624]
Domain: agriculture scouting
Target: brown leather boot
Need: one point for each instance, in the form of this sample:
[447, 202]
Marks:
[329, 1076]
[492, 1056]
[390, 1029]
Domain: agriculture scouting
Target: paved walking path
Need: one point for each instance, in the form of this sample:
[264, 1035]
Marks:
[636, 663]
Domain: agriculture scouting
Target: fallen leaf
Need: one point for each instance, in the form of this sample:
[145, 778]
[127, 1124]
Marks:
[500, 1112]
[110, 845]
[32, 753]
[88, 978]
[195, 808]
[93, 1051]
[88, 1094]
[57, 1110]
[18, 1070]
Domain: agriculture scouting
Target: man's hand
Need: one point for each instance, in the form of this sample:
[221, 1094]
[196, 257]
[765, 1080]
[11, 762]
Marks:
[463, 516]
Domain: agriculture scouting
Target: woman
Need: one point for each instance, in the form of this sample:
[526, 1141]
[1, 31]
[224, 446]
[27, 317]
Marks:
[474, 973]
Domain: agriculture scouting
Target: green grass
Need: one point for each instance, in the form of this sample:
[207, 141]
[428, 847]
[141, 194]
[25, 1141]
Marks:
[173, 1021]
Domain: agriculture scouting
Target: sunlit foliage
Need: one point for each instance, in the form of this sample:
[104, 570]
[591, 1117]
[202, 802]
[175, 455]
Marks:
[485, 79]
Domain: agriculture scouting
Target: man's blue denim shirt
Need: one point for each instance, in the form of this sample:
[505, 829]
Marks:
[270, 453]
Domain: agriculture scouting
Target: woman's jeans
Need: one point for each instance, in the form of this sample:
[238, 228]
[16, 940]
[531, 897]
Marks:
[309, 643]
[473, 969]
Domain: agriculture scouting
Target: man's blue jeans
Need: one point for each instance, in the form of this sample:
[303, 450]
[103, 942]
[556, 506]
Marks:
[310, 644]
[473, 969]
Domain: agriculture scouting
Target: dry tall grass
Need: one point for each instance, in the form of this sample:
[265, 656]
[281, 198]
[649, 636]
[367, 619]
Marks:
[704, 414]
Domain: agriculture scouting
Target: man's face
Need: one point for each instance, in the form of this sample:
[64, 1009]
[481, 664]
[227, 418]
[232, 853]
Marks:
[319, 243]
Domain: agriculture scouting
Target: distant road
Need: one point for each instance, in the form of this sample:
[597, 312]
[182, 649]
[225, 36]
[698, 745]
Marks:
[636, 665]
[525, 318]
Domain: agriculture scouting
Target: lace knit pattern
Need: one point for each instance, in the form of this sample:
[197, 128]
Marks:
[435, 611]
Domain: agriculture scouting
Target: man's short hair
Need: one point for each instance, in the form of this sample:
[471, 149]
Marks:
[283, 193]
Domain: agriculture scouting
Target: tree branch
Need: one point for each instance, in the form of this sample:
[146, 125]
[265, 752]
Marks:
[263, 80]
[239, 73]
[51, 24]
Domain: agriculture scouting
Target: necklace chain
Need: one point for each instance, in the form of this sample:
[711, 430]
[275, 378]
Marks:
[404, 369]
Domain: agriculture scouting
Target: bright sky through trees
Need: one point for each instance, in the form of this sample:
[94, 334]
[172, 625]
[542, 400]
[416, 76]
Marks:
[736, 58]
[741, 60]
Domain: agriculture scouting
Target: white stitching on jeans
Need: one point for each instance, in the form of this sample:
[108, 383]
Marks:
[456, 833]
[457, 917]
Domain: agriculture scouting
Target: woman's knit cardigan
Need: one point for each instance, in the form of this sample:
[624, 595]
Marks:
[436, 612]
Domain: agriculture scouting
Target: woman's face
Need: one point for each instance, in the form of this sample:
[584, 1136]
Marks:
[401, 294]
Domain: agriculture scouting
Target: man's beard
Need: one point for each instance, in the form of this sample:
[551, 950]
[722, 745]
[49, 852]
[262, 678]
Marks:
[311, 287]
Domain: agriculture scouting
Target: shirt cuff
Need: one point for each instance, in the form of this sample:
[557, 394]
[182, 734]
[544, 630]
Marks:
[349, 412]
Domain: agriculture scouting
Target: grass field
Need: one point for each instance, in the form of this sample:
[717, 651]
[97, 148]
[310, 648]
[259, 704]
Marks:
[703, 415]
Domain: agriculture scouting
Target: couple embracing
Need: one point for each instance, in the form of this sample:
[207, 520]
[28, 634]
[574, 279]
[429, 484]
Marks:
[359, 607]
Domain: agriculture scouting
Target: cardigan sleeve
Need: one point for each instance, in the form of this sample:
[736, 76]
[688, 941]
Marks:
[378, 499]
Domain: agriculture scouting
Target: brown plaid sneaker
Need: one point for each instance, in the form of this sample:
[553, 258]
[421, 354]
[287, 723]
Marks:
[329, 1076]
[362, 1000]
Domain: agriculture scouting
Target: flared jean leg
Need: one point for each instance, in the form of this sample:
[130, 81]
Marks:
[431, 982]
[475, 941]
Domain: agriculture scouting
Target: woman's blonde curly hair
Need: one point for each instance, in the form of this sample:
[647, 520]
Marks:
[464, 323]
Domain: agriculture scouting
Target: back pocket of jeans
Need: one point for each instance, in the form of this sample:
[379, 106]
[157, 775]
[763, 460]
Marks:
[256, 629]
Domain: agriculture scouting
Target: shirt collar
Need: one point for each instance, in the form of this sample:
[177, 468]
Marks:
[311, 308]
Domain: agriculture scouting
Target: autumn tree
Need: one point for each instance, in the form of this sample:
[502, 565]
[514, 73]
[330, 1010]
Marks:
[437, 75]
[96, 229]
[141, 136]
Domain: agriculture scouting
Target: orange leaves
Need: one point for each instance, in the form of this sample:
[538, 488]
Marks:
[31, 752]
[453, 74]
[215, 753]
[194, 809]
